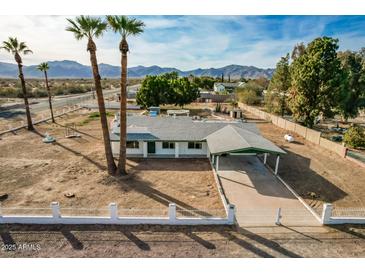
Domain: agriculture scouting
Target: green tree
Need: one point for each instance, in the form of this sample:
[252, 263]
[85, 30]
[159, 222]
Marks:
[17, 48]
[125, 27]
[89, 28]
[166, 89]
[298, 50]
[352, 96]
[44, 68]
[154, 91]
[316, 79]
[276, 96]
[185, 92]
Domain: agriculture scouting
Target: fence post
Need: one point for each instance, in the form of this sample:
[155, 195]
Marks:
[326, 213]
[265, 158]
[113, 211]
[278, 217]
[55, 206]
[230, 215]
[172, 213]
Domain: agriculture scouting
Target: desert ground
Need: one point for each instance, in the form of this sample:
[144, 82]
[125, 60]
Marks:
[310, 169]
[34, 174]
[165, 241]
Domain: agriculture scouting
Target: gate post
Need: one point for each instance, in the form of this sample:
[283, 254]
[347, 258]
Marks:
[56, 214]
[326, 213]
[230, 215]
[172, 213]
[113, 211]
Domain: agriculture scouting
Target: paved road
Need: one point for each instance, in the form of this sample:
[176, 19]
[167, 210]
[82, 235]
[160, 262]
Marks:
[257, 194]
[58, 102]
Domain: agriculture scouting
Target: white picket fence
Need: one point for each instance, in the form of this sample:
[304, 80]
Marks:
[172, 216]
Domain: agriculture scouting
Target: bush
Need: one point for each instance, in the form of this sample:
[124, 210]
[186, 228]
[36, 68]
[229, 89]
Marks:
[355, 137]
[249, 97]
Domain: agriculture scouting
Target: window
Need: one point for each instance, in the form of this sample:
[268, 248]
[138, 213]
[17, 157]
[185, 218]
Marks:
[132, 144]
[195, 145]
[168, 145]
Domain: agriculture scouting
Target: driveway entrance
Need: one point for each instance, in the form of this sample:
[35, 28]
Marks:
[257, 194]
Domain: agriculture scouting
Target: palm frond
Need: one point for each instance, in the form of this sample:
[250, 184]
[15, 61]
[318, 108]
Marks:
[43, 66]
[124, 25]
[86, 26]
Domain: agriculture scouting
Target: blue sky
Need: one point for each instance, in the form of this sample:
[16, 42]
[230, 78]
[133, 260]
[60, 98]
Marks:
[187, 42]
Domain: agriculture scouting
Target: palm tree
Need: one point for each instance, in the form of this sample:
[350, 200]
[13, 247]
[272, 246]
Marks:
[16, 48]
[125, 27]
[89, 28]
[44, 67]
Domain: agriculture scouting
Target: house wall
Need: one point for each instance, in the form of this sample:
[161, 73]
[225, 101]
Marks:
[219, 88]
[183, 149]
[115, 149]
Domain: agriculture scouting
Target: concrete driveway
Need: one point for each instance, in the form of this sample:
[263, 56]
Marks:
[257, 194]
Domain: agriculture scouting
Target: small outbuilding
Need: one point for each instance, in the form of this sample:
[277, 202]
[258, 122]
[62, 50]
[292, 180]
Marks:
[236, 113]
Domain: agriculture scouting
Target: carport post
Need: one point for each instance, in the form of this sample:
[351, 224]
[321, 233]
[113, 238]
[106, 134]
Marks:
[217, 164]
[144, 149]
[176, 150]
[213, 159]
[277, 164]
[265, 158]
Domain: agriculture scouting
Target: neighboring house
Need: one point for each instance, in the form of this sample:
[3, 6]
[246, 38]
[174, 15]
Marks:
[228, 87]
[211, 97]
[185, 137]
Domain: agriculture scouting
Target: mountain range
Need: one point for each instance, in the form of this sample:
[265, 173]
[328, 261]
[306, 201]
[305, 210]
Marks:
[72, 69]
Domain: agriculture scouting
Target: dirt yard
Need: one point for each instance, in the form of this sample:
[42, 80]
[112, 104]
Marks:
[169, 242]
[310, 169]
[34, 174]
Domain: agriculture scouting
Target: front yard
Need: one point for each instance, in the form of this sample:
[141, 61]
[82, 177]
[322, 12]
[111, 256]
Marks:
[34, 174]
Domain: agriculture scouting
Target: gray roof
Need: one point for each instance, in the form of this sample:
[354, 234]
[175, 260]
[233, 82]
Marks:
[235, 139]
[221, 136]
[166, 128]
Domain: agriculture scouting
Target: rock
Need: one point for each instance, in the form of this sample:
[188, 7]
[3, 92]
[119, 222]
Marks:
[69, 195]
[3, 196]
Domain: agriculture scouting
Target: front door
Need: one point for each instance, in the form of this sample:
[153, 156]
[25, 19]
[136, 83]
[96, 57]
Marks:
[151, 147]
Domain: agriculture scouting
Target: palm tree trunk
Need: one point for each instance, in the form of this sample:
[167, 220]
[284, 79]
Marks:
[123, 110]
[25, 96]
[103, 118]
[49, 97]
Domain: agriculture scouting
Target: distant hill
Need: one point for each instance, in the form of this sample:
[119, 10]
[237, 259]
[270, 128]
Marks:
[72, 69]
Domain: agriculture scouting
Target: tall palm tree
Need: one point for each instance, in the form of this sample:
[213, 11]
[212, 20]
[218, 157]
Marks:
[125, 27]
[44, 67]
[16, 48]
[89, 28]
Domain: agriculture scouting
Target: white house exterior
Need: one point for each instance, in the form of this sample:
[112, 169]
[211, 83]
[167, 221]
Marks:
[229, 87]
[174, 137]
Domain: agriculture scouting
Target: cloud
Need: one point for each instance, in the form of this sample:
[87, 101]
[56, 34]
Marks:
[186, 42]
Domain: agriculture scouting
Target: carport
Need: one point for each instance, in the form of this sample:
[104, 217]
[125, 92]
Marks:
[238, 141]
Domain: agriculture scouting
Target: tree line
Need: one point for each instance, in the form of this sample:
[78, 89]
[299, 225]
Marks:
[317, 80]
[167, 88]
[90, 28]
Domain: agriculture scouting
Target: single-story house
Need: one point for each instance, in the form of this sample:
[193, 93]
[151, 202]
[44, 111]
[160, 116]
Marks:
[229, 87]
[184, 137]
[211, 97]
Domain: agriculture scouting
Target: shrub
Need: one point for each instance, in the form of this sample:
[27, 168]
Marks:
[355, 137]
[249, 97]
